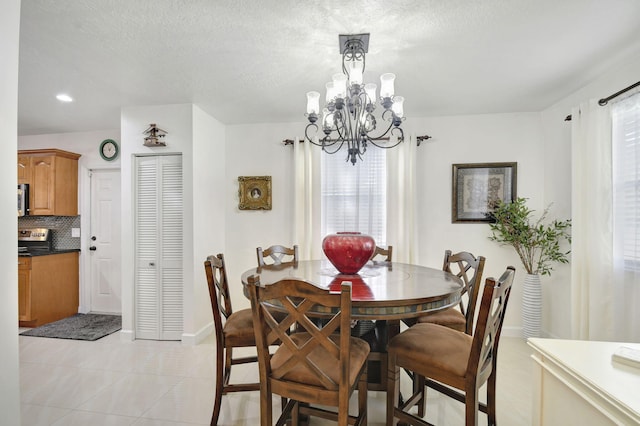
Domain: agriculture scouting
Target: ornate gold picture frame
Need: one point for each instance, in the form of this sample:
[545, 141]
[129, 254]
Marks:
[254, 192]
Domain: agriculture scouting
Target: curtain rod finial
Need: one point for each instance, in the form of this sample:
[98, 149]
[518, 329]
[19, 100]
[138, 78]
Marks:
[419, 139]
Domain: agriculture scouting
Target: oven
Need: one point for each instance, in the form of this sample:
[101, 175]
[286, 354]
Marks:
[34, 240]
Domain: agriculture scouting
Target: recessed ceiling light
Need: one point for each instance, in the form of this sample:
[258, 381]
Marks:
[64, 98]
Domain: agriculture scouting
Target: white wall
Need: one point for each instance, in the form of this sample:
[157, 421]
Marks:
[257, 150]
[9, 366]
[538, 142]
[201, 141]
[177, 120]
[200, 138]
[475, 139]
[208, 211]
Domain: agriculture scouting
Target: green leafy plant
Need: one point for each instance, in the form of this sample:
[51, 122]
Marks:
[537, 244]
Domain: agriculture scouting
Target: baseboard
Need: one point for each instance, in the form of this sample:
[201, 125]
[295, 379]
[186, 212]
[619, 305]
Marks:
[127, 336]
[192, 339]
[517, 332]
[511, 331]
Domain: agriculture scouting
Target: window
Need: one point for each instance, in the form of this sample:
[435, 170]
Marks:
[354, 197]
[626, 181]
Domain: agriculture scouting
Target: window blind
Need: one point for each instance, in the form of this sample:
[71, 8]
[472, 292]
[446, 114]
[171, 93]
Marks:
[626, 181]
[354, 197]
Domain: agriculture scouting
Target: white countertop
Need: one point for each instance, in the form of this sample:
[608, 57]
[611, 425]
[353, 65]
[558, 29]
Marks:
[591, 362]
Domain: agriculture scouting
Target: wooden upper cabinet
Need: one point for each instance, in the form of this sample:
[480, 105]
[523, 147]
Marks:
[24, 169]
[52, 175]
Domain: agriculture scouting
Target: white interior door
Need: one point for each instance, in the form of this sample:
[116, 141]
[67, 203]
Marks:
[158, 247]
[104, 251]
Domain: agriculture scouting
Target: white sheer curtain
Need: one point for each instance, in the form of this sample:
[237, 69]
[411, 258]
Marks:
[306, 200]
[396, 215]
[591, 248]
[354, 196]
[626, 223]
[401, 200]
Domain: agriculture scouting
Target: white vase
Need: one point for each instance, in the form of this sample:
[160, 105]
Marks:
[531, 306]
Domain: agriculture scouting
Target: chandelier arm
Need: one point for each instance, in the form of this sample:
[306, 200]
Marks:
[338, 142]
[306, 133]
[381, 135]
[325, 142]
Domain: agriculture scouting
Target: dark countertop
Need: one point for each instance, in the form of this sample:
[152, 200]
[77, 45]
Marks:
[46, 253]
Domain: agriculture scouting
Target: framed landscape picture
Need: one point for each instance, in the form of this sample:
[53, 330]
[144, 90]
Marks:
[477, 188]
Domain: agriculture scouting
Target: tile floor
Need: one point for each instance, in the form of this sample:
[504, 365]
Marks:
[149, 383]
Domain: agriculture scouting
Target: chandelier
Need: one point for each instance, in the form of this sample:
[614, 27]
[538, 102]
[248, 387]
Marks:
[347, 117]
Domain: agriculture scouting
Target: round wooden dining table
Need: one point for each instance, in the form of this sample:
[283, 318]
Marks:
[383, 291]
[380, 290]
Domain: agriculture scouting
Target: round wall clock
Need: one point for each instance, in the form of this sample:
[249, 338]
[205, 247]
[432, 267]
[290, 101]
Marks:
[109, 149]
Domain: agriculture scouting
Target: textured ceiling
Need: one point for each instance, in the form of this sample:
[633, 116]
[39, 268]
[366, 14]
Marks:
[253, 61]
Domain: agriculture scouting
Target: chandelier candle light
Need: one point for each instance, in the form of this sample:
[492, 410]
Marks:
[347, 117]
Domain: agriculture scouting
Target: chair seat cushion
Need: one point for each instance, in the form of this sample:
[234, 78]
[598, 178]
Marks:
[325, 361]
[238, 329]
[432, 351]
[450, 317]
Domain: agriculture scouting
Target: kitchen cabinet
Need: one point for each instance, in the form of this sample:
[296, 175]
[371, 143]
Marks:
[24, 169]
[47, 288]
[24, 288]
[52, 175]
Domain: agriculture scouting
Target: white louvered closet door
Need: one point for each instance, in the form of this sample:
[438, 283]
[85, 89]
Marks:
[158, 245]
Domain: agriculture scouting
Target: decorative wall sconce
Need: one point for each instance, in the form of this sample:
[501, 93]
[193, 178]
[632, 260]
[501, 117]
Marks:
[155, 136]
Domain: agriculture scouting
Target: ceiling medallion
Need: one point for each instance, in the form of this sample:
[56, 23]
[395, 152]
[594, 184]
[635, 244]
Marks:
[348, 115]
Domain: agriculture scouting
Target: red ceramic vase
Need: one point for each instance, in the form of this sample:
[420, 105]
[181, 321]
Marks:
[359, 289]
[348, 251]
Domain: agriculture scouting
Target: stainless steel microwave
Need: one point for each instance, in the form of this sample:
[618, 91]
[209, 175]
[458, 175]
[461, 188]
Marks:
[23, 199]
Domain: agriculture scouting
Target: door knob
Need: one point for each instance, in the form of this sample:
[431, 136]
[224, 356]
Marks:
[92, 248]
[93, 238]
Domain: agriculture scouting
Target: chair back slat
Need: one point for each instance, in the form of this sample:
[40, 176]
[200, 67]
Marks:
[486, 336]
[216, 273]
[284, 306]
[469, 269]
[277, 254]
[381, 251]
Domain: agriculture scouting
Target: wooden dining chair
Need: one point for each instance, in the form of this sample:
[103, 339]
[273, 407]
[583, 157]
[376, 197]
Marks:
[278, 254]
[314, 365]
[381, 251]
[469, 269]
[458, 362]
[232, 329]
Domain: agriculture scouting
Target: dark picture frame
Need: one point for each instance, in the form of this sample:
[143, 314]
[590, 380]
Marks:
[477, 188]
[254, 192]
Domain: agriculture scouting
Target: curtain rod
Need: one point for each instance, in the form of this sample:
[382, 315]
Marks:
[604, 101]
[419, 140]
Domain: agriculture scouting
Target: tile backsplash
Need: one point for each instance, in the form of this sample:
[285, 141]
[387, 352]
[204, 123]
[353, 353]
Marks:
[60, 229]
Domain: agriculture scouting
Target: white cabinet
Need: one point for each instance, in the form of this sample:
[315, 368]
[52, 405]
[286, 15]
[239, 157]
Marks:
[158, 247]
[577, 383]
